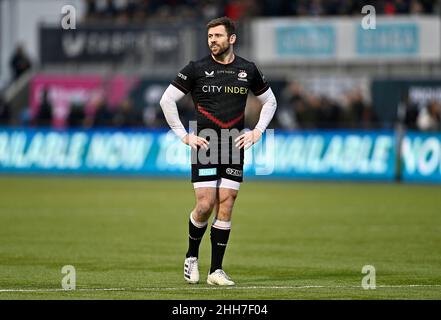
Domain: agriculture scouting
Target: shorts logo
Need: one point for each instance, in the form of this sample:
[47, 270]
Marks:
[207, 172]
[234, 172]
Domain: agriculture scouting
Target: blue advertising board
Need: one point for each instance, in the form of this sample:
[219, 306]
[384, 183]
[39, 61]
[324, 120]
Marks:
[307, 40]
[353, 155]
[88, 151]
[389, 39]
[421, 157]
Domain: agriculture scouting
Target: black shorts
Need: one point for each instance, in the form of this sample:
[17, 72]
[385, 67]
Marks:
[227, 164]
[210, 172]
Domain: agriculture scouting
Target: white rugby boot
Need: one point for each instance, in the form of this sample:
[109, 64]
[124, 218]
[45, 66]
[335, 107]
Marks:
[219, 278]
[191, 270]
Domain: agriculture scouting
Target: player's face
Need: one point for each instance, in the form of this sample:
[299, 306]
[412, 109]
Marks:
[218, 40]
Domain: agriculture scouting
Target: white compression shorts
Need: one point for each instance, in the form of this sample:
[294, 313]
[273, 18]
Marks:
[219, 183]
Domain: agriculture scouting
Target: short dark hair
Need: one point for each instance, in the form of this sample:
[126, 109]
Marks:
[229, 24]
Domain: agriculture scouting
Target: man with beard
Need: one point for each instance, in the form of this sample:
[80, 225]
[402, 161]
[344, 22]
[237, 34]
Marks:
[219, 85]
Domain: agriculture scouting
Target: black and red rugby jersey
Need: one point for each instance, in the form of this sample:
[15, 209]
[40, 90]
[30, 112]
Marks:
[219, 91]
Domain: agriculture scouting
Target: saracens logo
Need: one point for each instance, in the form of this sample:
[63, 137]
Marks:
[234, 172]
[242, 75]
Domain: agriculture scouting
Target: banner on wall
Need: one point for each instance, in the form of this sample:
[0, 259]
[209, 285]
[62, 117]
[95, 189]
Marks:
[97, 43]
[307, 155]
[345, 40]
[421, 157]
[354, 155]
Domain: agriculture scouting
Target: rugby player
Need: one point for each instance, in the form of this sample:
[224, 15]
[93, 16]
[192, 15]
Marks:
[219, 85]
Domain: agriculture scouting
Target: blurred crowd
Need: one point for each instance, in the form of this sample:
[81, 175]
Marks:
[19, 62]
[138, 11]
[93, 114]
[420, 117]
[300, 109]
[5, 111]
[297, 109]
[99, 113]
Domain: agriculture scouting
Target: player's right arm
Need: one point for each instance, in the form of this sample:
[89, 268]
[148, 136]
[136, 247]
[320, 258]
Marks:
[175, 92]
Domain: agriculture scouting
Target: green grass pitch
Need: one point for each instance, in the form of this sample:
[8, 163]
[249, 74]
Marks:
[127, 238]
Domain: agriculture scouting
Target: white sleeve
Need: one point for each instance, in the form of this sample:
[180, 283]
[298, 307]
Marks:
[170, 109]
[269, 105]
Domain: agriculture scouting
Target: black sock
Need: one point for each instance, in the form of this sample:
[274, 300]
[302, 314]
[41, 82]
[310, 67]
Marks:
[219, 240]
[195, 234]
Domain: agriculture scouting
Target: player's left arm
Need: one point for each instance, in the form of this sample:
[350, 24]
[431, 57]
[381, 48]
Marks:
[269, 106]
[266, 97]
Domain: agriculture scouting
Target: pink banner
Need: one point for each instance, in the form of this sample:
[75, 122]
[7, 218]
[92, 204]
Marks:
[61, 92]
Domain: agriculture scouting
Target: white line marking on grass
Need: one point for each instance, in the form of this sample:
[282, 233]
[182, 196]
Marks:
[219, 288]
